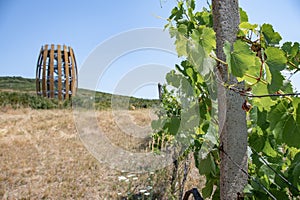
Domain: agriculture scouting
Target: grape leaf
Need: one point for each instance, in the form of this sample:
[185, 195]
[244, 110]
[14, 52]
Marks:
[243, 16]
[262, 120]
[208, 39]
[295, 49]
[257, 140]
[208, 189]
[191, 4]
[276, 62]
[204, 18]
[291, 132]
[291, 50]
[173, 125]
[287, 46]
[247, 25]
[268, 149]
[241, 58]
[277, 113]
[271, 37]
[181, 44]
[157, 124]
[262, 103]
[282, 121]
[174, 79]
[294, 173]
[253, 71]
[205, 37]
[296, 105]
[207, 165]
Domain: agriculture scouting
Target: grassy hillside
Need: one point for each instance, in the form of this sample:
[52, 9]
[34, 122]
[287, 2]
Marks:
[17, 83]
[19, 92]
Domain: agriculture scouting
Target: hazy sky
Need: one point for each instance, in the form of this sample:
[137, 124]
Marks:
[26, 25]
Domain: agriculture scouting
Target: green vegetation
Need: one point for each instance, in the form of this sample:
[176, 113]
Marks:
[189, 119]
[18, 92]
[17, 83]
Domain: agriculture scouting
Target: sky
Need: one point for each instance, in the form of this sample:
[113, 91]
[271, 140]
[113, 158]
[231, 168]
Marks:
[26, 25]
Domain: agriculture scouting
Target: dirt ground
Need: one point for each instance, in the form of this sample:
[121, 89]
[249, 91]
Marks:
[42, 157]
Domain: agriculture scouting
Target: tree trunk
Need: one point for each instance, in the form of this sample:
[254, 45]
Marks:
[232, 118]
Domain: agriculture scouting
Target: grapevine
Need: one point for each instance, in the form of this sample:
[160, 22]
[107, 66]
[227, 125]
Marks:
[258, 59]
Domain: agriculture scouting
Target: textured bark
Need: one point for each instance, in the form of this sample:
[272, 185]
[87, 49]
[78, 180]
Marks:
[232, 119]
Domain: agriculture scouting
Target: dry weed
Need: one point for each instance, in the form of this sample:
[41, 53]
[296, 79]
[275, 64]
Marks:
[42, 157]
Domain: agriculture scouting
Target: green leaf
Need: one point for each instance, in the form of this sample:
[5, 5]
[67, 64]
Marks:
[295, 49]
[276, 82]
[177, 12]
[271, 37]
[262, 119]
[253, 71]
[182, 29]
[282, 121]
[248, 26]
[276, 58]
[294, 174]
[208, 39]
[241, 59]
[291, 132]
[198, 57]
[191, 4]
[207, 165]
[181, 45]
[157, 124]
[205, 36]
[262, 103]
[287, 86]
[257, 140]
[279, 194]
[216, 195]
[277, 113]
[191, 74]
[296, 105]
[204, 18]
[291, 50]
[243, 16]
[173, 79]
[293, 54]
[276, 62]
[208, 189]
[268, 149]
[287, 46]
[173, 125]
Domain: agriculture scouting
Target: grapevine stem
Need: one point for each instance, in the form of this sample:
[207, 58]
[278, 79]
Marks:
[258, 79]
[217, 59]
[293, 65]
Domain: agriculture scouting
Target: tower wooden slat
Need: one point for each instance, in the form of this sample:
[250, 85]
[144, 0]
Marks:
[44, 80]
[73, 71]
[66, 59]
[51, 71]
[38, 71]
[59, 65]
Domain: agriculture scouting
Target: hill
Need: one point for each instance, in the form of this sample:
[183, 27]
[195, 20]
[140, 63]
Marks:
[19, 92]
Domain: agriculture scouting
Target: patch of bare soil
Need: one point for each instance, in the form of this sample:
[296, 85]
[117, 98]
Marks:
[42, 157]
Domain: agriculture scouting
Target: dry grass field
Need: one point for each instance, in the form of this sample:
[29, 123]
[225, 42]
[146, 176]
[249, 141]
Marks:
[42, 157]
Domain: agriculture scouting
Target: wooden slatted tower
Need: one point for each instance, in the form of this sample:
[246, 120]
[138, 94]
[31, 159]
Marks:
[56, 72]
